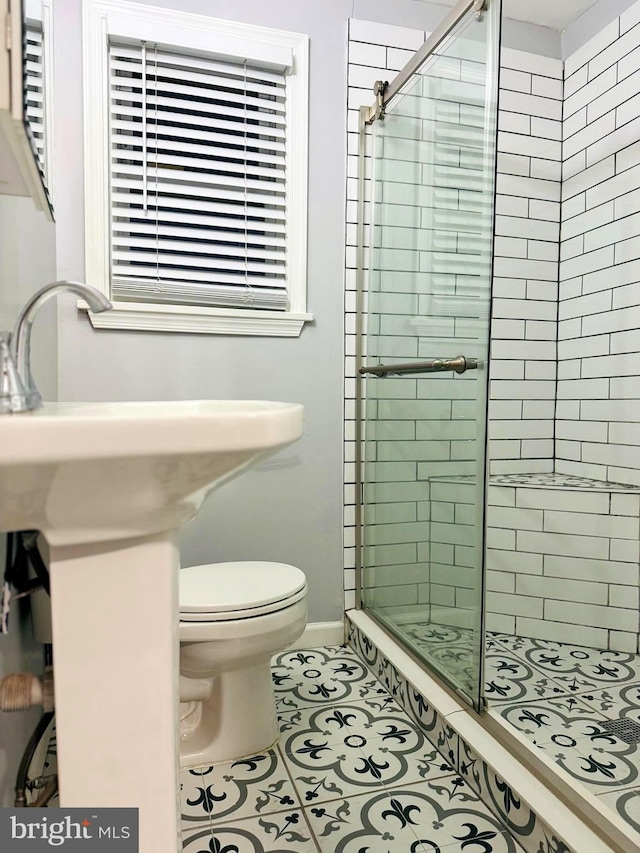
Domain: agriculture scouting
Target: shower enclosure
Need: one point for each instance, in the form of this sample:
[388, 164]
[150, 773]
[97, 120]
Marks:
[428, 152]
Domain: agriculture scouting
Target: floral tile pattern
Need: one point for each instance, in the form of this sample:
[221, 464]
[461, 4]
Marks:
[595, 686]
[626, 803]
[557, 695]
[575, 668]
[427, 817]
[353, 770]
[244, 788]
[317, 676]
[591, 687]
[284, 832]
[614, 703]
[510, 679]
[387, 753]
[559, 721]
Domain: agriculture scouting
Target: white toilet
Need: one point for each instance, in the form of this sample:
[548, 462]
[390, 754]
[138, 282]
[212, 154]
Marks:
[233, 618]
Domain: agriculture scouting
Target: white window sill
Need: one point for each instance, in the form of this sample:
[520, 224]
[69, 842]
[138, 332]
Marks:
[144, 317]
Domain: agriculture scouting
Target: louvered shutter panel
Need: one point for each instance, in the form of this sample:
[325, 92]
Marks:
[34, 88]
[198, 180]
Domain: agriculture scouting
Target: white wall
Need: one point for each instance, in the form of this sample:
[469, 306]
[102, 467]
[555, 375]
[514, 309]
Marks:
[27, 262]
[525, 285]
[599, 310]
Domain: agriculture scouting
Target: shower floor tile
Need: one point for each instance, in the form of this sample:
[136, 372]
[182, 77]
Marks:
[594, 686]
[558, 721]
[512, 679]
[557, 695]
[575, 668]
[351, 771]
[626, 803]
[614, 703]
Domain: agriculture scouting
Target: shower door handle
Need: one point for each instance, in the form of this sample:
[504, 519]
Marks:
[459, 364]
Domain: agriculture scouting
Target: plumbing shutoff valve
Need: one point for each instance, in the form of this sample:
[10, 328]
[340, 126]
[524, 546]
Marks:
[23, 690]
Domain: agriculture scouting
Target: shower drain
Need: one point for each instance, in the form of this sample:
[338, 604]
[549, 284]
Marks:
[626, 730]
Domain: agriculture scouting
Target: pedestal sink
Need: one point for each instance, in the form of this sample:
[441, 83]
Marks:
[109, 485]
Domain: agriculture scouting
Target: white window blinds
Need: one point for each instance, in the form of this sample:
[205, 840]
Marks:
[34, 88]
[198, 180]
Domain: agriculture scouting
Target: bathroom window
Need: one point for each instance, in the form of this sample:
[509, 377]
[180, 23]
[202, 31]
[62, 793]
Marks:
[37, 76]
[34, 88]
[195, 171]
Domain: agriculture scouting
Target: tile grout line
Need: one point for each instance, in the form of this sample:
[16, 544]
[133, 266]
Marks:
[295, 788]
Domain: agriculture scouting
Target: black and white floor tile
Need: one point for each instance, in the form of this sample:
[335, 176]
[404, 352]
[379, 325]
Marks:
[557, 695]
[351, 772]
[589, 688]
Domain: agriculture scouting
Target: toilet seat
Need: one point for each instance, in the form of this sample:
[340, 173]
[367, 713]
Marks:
[220, 592]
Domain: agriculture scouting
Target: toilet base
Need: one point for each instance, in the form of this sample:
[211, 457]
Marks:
[237, 720]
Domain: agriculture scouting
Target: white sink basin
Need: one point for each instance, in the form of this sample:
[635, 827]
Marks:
[109, 484]
[90, 472]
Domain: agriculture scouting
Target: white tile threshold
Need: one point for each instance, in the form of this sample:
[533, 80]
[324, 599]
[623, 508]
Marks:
[482, 733]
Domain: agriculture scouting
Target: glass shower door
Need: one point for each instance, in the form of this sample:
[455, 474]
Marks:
[425, 368]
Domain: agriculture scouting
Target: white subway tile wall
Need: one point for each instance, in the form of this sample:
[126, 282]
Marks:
[599, 292]
[525, 296]
[575, 573]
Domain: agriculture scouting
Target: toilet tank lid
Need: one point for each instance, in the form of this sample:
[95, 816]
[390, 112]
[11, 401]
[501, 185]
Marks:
[224, 587]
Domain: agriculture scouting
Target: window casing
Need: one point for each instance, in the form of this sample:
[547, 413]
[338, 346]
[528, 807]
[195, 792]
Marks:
[195, 171]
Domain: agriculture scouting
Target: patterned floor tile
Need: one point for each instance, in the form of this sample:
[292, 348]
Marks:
[335, 724]
[316, 663]
[319, 676]
[343, 750]
[510, 679]
[626, 803]
[560, 720]
[525, 826]
[360, 823]
[595, 686]
[247, 787]
[196, 803]
[284, 832]
[441, 815]
[321, 772]
[614, 703]
[493, 642]
[577, 668]
[599, 763]
[453, 651]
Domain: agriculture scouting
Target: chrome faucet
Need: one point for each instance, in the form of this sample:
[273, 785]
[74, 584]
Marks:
[18, 391]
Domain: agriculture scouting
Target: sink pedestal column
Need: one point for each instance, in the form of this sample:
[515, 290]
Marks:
[116, 658]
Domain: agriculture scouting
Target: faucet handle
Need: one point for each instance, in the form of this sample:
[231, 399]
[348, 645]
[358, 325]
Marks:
[13, 395]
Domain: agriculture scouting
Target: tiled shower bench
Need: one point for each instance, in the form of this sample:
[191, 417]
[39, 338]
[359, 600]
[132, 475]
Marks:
[563, 560]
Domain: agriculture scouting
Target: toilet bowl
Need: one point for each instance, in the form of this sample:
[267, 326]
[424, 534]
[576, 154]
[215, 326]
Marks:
[233, 618]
